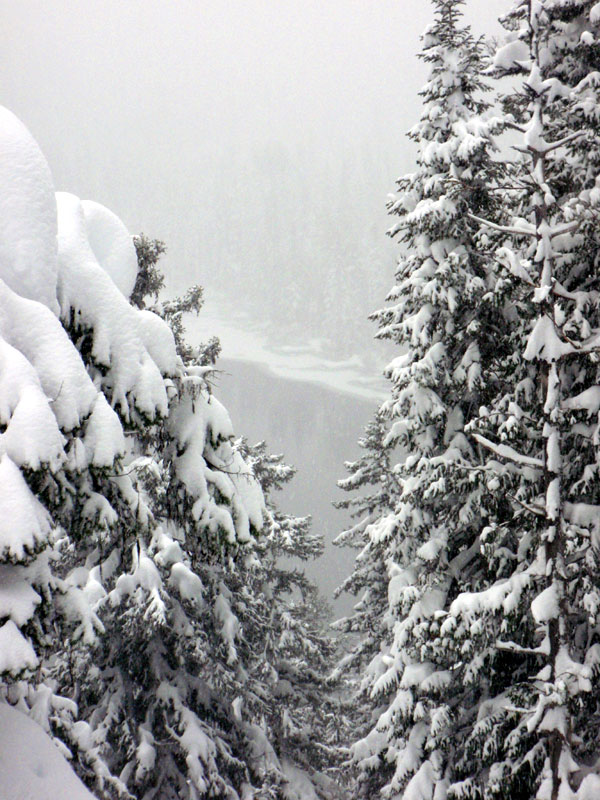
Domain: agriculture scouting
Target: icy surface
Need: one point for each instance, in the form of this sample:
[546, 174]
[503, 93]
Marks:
[112, 245]
[30, 764]
[28, 261]
[305, 363]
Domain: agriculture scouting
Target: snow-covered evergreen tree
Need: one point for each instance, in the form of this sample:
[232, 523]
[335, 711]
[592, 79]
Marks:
[142, 605]
[114, 562]
[365, 635]
[55, 421]
[373, 469]
[448, 335]
[529, 640]
[288, 654]
[163, 688]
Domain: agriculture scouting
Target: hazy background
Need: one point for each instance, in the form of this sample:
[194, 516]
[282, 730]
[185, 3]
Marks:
[259, 140]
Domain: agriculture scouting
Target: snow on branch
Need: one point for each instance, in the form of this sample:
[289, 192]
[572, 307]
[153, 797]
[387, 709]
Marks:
[508, 452]
[548, 147]
[525, 230]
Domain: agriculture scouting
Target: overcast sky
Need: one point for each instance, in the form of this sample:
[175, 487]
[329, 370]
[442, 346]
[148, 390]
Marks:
[235, 69]
[139, 104]
[159, 78]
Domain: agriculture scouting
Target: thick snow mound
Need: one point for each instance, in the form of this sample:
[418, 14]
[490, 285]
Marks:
[212, 470]
[31, 434]
[112, 245]
[16, 653]
[45, 389]
[38, 335]
[24, 523]
[134, 350]
[298, 786]
[18, 599]
[28, 256]
[30, 765]
[512, 53]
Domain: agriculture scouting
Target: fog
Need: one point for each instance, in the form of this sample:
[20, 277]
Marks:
[260, 141]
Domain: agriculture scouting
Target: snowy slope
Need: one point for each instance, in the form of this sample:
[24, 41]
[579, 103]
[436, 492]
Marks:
[31, 767]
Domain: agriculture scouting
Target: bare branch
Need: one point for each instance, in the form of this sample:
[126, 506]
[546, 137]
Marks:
[537, 510]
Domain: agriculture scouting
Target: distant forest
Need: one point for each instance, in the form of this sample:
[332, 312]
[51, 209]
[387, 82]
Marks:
[294, 242]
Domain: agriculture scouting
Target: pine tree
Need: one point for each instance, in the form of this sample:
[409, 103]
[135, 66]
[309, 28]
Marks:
[372, 469]
[149, 280]
[365, 632]
[448, 330]
[172, 516]
[146, 683]
[178, 692]
[529, 635]
[55, 422]
[289, 653]
[134, 525]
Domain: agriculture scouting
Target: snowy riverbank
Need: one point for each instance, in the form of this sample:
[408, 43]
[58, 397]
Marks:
[240, 341]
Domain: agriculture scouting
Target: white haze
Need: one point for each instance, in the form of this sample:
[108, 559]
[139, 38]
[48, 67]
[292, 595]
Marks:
[259, 140]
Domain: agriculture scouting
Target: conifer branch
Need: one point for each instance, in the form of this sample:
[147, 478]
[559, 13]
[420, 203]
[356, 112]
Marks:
[508, 229]
[508, 452]
[513, 647]
[537, 510]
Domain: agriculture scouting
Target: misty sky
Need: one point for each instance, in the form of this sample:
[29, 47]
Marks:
[166, 74]
[258, 138]
[156, 82]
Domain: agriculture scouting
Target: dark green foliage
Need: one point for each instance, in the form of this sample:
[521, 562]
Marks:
[149, 283]
[150, 279]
